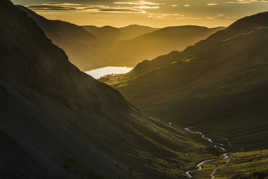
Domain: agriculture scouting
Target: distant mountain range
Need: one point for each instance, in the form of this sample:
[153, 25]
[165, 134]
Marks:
[91, 47]
[123, 33]
[219, 84]
[161, 41]
[58, 122]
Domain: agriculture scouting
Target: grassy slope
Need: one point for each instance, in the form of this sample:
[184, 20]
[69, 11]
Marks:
[218, 85]
[71, 124]
[243, 165]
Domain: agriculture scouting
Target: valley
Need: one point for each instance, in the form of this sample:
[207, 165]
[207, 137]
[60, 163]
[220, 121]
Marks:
[212, 83]
[224, 154]
[217, 86]
[57, 121]
[192, 107]
[91, 47]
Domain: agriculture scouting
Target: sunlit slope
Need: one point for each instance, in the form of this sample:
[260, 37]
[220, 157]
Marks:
[146, 42]
[79, 44]
[243, 165]
[57, 122]
[219, 84]
[161, 41]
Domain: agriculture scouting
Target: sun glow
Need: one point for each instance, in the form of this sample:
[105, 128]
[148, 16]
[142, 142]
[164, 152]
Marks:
[155, 13]
[137, 3]
[142, 2]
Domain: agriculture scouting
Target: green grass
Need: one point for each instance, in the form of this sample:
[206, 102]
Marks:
[171, 152]
[244, 165]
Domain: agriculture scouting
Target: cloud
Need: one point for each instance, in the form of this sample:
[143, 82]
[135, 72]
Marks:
[151, 12]
[120, 10]
[247, 1]
[174, 5]
[138, 3]
[58, 6]
[165, 15]
[146, 7]
[49, 7]
[212, 4]
[88, 8]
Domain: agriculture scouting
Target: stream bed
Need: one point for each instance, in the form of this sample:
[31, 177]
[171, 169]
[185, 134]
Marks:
[219, 147]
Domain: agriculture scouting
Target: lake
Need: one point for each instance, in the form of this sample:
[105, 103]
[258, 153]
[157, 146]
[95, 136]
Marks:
[110, 70]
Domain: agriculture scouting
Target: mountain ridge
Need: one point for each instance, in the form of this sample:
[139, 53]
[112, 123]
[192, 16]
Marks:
[110, 46]
[224, 74]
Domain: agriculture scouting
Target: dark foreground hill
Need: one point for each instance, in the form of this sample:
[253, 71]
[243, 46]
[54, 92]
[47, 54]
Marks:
[57, 122]
[219, 84]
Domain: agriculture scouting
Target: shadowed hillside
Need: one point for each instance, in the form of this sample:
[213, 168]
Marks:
[219, 84]
[57, 122]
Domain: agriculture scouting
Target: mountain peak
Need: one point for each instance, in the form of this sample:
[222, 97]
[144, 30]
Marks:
[257, 20]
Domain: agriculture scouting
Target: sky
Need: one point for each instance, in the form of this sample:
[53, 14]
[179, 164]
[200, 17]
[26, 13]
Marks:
[155, 13]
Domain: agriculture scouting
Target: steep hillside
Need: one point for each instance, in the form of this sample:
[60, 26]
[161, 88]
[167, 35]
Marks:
[158, 42]
[163, 41]
[80, 45]
[57, 122]
[219, 84]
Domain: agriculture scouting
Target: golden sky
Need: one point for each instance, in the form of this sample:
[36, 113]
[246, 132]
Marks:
[155, 13]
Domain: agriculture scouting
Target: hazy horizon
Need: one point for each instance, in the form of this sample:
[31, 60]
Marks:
[154, 13]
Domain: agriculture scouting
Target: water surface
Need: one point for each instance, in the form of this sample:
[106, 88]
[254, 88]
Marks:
[110, 70]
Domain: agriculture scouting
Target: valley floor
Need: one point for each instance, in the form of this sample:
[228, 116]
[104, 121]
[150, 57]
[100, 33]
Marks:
[242, 165]
[229, 164]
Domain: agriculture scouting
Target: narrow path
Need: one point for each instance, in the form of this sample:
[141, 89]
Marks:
[219, 147]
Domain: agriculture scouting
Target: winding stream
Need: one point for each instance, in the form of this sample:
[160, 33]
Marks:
[219, 147]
